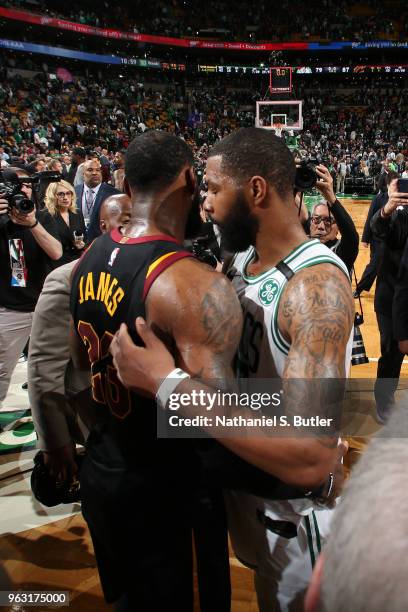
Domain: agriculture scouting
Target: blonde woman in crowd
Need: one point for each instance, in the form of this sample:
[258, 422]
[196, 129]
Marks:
[364, 169]
[60, 201]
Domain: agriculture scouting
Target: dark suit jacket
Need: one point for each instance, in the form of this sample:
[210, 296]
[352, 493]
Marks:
[347, 247]
[382, 182]
[379, 201]
[66, 236]
[70, 176]
[393, 233]
[105, 191]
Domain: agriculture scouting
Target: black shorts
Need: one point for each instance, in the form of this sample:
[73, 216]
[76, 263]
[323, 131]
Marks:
[141, 531]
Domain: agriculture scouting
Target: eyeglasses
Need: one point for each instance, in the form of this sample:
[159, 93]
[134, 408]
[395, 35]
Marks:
[316, 220]
[61, 194]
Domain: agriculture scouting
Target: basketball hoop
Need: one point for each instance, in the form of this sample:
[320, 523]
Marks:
[279, 115]
[278, 128]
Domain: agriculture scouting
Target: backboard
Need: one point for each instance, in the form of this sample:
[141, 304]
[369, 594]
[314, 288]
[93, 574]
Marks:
[279, 114]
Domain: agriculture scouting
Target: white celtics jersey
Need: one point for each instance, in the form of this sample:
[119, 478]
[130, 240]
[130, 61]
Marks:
[263, 350]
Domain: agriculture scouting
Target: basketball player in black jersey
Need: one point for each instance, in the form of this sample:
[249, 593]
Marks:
[250, 176]
[138, 492]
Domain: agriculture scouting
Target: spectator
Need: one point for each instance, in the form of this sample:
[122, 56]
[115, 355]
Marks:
[329, 217]
[370, 272]
[60, 201]
[78, 157]
[341, 175]
[55, 165]
[119, 173]
[390, 226]
[90, 196]
[37, 166]
[66, 166]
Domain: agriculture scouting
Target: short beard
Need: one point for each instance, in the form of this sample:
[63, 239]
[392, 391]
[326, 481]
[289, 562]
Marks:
[239, 229]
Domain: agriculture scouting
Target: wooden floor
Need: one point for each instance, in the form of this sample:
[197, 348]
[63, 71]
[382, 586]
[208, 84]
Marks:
[59, 555]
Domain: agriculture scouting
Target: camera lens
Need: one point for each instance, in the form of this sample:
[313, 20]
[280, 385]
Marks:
[306, 177]
[23, 204]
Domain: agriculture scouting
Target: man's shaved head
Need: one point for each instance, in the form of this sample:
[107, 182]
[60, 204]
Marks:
[115, 211]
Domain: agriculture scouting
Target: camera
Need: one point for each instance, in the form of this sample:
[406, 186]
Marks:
[10, 189]
[306, 177]
[203, 253]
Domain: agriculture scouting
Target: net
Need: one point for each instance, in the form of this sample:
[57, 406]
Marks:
[277, 128]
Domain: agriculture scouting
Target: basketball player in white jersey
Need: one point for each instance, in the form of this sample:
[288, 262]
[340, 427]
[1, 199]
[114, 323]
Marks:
[298, 315]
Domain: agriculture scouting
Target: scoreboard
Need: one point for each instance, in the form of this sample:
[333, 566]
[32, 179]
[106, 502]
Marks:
[307, 70]
[280, 79]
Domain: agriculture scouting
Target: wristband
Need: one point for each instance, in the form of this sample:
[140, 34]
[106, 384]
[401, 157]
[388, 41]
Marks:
[329, 489]
[168, 385]
[322, 493]
[35, 224]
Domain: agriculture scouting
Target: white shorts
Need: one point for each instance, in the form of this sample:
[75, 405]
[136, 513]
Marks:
[280, 541]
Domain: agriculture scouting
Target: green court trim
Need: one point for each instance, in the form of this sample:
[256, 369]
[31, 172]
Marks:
[343, 196]
[21, 431]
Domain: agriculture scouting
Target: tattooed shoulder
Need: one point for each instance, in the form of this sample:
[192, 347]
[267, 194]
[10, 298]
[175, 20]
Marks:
[316, 316]
[221, 316]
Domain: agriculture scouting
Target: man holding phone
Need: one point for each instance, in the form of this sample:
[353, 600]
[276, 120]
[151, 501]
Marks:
[390, 226]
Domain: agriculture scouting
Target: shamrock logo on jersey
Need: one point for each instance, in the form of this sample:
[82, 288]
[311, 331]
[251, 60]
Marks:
[268, 291]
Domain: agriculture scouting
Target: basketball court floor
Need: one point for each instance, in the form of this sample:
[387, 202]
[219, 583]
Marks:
[50, 548]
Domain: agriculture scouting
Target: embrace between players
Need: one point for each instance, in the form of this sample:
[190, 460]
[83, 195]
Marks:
[285, 312]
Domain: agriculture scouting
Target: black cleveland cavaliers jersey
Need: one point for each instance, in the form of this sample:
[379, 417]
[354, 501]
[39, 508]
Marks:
[109, 287]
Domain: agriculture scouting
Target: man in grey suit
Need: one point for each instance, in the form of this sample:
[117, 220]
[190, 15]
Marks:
[90, 196]
[51, 376]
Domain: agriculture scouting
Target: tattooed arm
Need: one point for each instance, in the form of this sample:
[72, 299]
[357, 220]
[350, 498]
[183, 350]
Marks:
[207, 331]
[198, 312]
[316, 317]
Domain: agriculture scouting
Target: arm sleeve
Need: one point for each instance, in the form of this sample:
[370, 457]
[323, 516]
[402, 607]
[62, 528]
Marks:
[47, 360]
[348, 247]
[380, 227]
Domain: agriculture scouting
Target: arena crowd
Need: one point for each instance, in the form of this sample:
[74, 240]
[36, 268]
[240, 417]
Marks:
[293, 20]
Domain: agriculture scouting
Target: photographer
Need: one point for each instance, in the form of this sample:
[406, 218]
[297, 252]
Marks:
[328, 218]
[28, 243]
